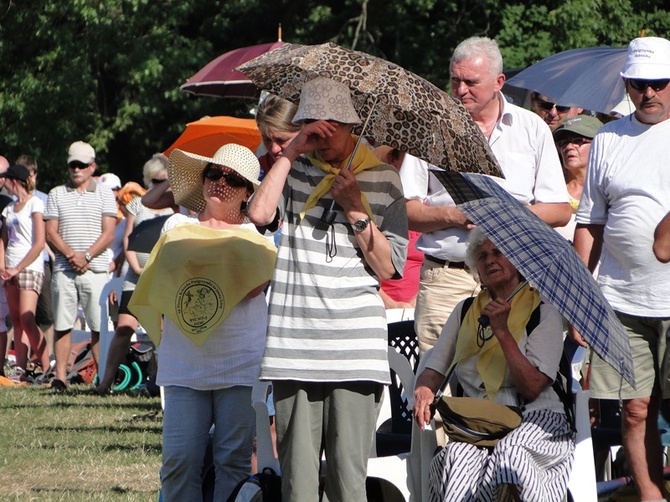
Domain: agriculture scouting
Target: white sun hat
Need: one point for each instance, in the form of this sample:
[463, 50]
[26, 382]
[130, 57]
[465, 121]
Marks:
[326, 99]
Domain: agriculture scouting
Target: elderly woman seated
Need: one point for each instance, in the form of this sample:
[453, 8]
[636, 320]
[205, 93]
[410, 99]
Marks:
[511, 367]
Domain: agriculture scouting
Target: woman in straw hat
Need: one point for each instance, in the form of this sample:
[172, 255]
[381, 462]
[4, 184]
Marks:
[206, 276]
[327, 338]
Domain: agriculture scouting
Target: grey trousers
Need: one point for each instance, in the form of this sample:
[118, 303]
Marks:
[339, 418]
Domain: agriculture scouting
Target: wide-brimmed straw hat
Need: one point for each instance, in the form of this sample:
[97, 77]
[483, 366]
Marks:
[185, 172]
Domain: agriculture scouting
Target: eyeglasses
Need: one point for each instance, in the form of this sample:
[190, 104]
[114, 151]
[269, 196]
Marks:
[641, 85]
[75, 164]
[548, 106]
[231, 180]
[577, 141]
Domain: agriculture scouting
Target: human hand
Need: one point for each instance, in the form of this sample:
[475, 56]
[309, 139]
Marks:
[113, 297]
[575, 336]
[78, 262]
[454, 217]
[497, 312]
[8, 274]
[346, 192]
[308, 138]
[423, 401]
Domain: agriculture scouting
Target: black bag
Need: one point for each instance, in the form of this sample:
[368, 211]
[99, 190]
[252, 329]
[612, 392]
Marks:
[264, 486]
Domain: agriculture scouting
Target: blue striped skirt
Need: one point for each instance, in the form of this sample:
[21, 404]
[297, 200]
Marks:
[536, 458]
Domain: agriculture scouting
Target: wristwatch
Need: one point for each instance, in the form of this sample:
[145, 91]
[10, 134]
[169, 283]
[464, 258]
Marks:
[88, 257]
[361, 225]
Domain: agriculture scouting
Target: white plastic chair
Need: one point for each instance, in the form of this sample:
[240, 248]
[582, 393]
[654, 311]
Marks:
[394, 470]
[582, 482]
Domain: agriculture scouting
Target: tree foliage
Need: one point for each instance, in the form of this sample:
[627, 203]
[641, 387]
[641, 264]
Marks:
[109, 71]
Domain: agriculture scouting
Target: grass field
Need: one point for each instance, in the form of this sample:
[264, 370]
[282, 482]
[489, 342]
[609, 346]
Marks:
[77, 447]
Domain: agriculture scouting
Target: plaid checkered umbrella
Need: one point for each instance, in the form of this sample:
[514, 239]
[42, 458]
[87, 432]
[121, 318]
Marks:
[546, 260]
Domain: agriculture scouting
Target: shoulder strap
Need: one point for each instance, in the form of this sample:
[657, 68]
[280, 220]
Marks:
[466, 306]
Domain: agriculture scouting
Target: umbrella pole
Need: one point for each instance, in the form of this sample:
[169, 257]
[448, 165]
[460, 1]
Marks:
[329, 214]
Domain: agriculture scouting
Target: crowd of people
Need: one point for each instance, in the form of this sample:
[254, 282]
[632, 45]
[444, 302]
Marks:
[319, 331]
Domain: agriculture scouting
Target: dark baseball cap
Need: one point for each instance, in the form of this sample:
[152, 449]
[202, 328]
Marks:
[16, 172]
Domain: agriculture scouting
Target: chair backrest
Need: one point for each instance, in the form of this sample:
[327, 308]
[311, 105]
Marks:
[403, 339]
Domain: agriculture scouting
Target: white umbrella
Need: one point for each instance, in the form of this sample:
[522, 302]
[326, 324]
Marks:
[588, 78]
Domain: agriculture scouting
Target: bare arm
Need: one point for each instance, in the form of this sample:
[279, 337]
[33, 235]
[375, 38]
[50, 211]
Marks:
[662, 240]
[423, 218]
[159, 196]
[553, 214]
[588, 243]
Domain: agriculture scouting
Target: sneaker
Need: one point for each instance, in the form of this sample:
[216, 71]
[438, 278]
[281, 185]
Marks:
[16, 374]
[58, 385]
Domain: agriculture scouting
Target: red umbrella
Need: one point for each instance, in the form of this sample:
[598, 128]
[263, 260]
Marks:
[219, 77]
[207, 135]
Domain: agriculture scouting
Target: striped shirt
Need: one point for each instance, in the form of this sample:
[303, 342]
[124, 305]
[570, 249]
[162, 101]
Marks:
[79, 216]
[327, 322]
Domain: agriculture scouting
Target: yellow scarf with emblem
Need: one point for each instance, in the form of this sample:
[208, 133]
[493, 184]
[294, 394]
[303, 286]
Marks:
[363, 159]
[196, 275]
[491, 362]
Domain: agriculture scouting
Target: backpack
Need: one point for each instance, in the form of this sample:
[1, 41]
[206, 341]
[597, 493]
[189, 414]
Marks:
[264, 486]
[563, 378]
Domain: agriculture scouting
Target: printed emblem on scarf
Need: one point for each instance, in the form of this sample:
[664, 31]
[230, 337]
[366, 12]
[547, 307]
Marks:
[199, 305]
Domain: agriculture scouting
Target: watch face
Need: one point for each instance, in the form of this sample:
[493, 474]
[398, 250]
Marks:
[361, 225]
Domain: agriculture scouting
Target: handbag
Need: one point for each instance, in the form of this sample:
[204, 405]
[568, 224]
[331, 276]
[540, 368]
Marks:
[477, 421]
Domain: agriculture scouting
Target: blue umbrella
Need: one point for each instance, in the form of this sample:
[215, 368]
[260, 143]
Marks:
[587, 78]
[547, 261]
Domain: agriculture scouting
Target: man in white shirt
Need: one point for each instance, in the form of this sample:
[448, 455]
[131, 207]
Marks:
[524, 148]
[625, 196]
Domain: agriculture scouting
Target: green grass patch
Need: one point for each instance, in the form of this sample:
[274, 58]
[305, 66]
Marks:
[74, 446]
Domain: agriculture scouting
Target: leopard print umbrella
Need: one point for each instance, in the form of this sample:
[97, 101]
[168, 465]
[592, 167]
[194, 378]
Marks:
[411, 114]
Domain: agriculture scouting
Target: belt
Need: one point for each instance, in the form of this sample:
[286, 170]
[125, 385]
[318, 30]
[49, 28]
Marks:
[449, 264]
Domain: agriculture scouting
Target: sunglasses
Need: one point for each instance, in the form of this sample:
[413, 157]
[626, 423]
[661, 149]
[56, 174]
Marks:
[548, 106]
[155, 181]
[641, 85]
[578, 141]
[231, 180]
[75, 164]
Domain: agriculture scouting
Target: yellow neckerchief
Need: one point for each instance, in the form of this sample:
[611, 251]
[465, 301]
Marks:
[196, 275]
[363, 159]
[574, 203]
[491, 362]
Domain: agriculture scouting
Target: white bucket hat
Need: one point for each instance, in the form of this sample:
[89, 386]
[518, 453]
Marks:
[185, 172]
[648, 59]
[326, 99]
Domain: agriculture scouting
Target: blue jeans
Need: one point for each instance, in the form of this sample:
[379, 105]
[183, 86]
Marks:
[187, 419]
